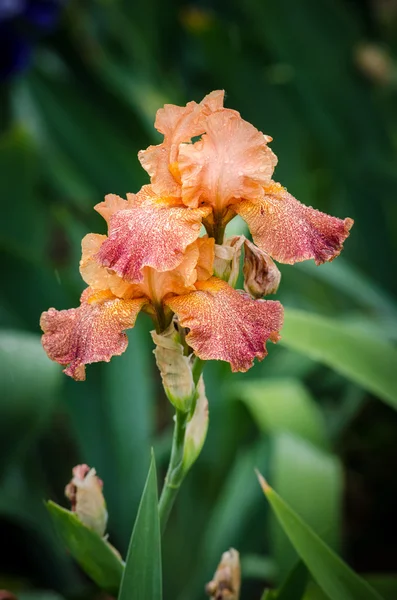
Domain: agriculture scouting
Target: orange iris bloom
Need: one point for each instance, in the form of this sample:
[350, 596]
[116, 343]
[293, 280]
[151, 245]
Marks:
[154, 260]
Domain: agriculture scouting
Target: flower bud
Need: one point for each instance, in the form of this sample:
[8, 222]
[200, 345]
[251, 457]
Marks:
[226, 582]
[85, 494]
[196, 430]
[227, 259]
[175, 368]
[261, 275]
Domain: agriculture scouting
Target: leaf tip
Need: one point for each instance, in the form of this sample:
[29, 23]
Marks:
[262, 482]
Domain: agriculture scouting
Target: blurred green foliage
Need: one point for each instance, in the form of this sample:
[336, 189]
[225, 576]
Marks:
[312, 420]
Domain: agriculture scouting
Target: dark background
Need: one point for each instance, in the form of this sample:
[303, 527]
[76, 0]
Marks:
[80, 87]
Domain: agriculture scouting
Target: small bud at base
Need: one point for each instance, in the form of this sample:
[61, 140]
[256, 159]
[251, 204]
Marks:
[175, 368]
[226, 582]
[85, 494]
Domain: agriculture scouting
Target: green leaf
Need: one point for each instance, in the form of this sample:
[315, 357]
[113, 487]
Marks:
[293, 587]
[369, 362]
[333, 575]
[295, 584]
[283, 405]
[346, 278]
[311, 481]
[29, 387]
[92, 552]
[142, 579]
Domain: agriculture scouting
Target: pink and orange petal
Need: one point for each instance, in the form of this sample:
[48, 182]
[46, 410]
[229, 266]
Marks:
[231, 161]
[178, 124]
[151, 235]
[290, 231]
[227, 325]
[91, 333]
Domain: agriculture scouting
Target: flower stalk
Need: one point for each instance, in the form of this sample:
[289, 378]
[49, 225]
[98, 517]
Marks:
[176, 468]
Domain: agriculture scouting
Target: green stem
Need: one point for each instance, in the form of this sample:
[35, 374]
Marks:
[176, 473]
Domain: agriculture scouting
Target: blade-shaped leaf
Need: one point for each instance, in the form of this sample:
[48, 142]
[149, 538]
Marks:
[293, 587]
[333, 575]
[369, 362]
[283, 404]
[92, 552]
[142, 579]
[311, 481]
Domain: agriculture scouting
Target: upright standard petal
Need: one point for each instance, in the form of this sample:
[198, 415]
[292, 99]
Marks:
[226, 324]
[178, 124]
[91, 333]
[151, 234]
[290, 231]
[231, 161]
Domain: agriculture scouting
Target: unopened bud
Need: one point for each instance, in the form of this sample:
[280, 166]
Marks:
[227, 259]
[226, 582]
[85, 494]
[196, 430]
[175, 368]
[261, 275]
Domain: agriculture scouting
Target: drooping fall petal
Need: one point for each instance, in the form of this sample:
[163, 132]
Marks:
[231, 161]
[178, 124]
[93, 332]
[290, 231]
[226, 324]
[151, 234]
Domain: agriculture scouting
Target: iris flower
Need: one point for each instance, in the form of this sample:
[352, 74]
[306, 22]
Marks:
[211, 166]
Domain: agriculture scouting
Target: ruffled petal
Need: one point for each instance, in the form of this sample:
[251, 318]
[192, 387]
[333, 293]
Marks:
[91, 333]
[111, 205]
[97, 276]
[152, 234]
[178, 124]
[231, 161]
[290, 231]
[226, 324]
